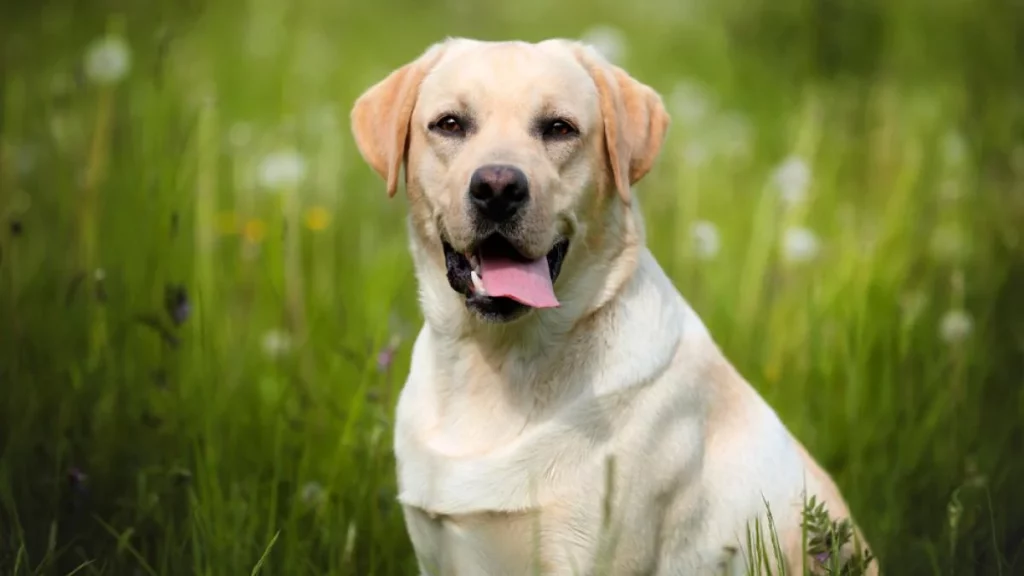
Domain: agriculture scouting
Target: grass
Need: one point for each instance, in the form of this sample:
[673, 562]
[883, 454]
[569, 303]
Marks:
[206, 303]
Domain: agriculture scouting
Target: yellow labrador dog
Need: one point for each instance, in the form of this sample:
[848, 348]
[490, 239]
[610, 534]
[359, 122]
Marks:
[566, 411]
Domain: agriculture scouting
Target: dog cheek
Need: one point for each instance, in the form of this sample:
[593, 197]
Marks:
[538, 230]
[431, 191]
[572, 211]
[423, 224]
[576, 182]
[458, 225]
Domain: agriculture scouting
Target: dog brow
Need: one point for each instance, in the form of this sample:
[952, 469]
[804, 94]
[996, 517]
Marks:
[458, 105]
[551, 110]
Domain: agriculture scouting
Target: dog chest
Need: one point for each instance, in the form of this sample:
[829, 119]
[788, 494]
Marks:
[493, 543]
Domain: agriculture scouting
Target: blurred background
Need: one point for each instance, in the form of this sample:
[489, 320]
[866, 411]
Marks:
[206, 302]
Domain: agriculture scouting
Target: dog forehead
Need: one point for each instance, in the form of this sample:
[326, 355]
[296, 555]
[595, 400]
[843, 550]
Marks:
[474, 73]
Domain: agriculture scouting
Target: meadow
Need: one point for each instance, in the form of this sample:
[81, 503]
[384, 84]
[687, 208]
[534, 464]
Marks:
[207, 304]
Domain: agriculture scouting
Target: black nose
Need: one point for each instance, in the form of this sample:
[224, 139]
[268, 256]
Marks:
[498, 191]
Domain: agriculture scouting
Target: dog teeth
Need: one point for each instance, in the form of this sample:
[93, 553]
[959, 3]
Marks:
[478, 284]
[474, 263]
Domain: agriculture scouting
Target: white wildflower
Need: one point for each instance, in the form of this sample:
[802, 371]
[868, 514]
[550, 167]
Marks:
[950, 190]
[799, 245]
[695, 154]
[312, 493]
[375, 435]
[607, 40]
[350, 541]
[276, 343]
[67, 131]
[240, 134]
[61, 84]
[735, 134]
[954, 148]
[956, 282]
[793, 179]
[281, 169]
[108, 60]
[974, 476]
[912, 305]
[321, 120]
[690, 102]
[705, 239]
[956, 326]
[25, 162]
[948, 243]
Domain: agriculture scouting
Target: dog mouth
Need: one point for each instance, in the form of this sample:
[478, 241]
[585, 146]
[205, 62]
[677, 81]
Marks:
[501, 283]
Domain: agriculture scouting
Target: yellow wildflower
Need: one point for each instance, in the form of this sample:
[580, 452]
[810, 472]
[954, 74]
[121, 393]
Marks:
[317, 218]
[254, 230]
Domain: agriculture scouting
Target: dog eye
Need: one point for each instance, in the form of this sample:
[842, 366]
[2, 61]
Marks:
[558, 129]
[449, 125]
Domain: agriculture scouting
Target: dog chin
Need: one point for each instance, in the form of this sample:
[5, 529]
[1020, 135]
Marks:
[498, 310]
[464, 273]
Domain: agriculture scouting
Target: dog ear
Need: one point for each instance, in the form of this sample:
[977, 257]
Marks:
[380, 116]
[635, 120]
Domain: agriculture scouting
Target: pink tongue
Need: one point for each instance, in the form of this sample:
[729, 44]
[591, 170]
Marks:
[525, 282]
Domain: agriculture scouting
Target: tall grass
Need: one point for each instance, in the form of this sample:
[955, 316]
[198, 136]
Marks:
[206, 303]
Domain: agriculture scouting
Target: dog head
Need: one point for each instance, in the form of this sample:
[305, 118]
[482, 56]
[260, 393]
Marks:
[519, 160]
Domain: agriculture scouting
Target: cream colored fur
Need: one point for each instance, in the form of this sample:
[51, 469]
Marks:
[504, 431]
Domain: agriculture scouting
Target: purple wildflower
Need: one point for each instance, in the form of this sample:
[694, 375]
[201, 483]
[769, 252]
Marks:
[177, 304]
[79, 490]
[385, 357]
[76, 477]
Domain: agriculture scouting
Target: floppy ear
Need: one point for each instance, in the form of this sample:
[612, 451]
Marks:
[635, 120]
[381, 115]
